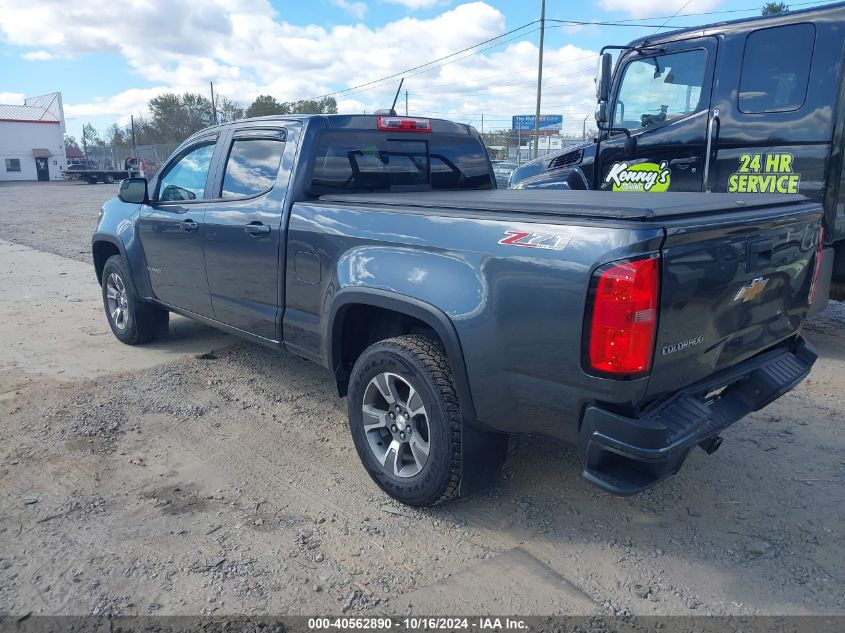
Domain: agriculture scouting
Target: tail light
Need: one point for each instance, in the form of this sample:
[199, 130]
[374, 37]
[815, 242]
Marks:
[817, 271]
[623, 317]
[403, 124]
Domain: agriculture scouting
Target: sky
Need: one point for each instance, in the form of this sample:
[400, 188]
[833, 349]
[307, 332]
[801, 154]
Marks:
[109, 58]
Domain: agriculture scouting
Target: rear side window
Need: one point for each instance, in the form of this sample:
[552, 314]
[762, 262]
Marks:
[350, 161]
[251, 167]
[776, 68]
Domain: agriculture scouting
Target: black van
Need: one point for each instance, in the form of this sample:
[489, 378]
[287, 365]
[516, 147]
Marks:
[747, 106]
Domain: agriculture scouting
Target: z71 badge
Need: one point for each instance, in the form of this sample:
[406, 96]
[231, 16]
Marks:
[536, 240]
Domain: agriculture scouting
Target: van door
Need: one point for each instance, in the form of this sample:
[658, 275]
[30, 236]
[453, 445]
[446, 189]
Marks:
[662, 97]
[775, 111]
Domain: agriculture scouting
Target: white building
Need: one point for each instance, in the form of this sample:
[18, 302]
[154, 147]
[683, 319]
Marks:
[32, 144]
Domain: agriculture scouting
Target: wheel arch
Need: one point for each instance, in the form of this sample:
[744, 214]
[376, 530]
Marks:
[104, 246]
[413, 308]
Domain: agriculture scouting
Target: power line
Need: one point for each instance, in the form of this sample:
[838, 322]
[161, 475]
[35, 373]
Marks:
[434, 61]
[425, 70]
[669, 19]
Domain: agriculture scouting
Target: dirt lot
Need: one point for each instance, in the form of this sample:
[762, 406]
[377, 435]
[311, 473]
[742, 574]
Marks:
[149, 480]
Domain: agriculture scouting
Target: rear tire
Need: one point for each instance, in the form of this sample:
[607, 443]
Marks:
[132, 321]
[415, 455]
[108, 179]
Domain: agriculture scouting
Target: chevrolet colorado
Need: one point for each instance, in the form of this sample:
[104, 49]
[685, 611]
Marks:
[635, 326]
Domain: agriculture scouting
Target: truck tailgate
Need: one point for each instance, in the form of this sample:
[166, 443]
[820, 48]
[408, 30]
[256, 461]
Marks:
[732, 286]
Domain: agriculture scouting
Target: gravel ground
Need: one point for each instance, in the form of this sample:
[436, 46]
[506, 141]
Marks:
[228, 483]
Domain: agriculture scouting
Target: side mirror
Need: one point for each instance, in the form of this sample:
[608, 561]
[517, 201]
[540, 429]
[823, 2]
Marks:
[603, 76]
[133, 191]
[601, 113]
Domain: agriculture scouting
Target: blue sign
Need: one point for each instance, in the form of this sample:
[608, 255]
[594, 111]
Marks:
[548, 122]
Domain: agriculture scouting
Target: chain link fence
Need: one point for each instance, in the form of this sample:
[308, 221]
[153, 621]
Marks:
[119, 157]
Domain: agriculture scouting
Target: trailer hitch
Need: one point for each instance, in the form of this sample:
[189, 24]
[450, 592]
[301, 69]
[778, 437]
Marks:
[711, 444]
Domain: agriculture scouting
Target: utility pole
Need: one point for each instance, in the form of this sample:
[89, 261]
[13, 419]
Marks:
[406, 103]
[134, 147]
[539, 78]
[213, 107]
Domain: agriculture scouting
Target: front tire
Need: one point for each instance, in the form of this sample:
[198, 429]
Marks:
[405, 419]
[131, 320]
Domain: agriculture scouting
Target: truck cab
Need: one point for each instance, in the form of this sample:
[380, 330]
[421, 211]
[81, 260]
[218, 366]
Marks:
[747, 106]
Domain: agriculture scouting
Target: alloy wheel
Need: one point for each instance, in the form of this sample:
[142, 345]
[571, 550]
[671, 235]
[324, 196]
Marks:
[396, 425]
[117, 300]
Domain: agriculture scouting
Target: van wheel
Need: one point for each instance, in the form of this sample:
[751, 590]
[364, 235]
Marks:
[108, 179]
[132, 321]
[405, 419]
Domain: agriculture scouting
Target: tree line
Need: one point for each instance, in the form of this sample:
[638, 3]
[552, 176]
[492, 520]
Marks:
[174, 117]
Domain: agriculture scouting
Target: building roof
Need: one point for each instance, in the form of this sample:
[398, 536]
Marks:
[43, 109]
[26, 113]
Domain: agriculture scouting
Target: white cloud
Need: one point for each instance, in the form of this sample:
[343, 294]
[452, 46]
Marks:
[120, 105]
[247, 49]
[12, 98]
[650, 8]
[356, 9]
[38, 56]
[417, 4]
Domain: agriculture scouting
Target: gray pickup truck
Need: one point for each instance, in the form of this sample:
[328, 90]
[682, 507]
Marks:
[635, 326]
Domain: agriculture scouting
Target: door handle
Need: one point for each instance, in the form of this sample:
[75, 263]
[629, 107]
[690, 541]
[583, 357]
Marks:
[683, 163]
[189, 226]
[712, 134]
[257, 229]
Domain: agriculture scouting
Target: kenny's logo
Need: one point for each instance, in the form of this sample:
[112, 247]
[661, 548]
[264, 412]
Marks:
[639, 177]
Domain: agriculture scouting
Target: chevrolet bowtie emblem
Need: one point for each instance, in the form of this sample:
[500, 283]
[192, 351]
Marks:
[751, 290]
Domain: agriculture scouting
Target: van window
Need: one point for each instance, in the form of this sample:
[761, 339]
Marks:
[776, 68]
[347, 161]
[660, 88]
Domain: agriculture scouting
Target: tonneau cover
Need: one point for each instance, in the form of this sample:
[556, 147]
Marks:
[622, 205]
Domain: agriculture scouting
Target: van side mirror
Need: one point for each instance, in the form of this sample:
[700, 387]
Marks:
[603, 76]
[601, 113]
[133, 191]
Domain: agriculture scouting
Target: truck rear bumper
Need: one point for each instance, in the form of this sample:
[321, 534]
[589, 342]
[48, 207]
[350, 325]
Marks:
[625, 455]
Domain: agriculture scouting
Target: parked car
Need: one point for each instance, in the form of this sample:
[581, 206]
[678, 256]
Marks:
[502, 171]
[451, 314]
[746, 106]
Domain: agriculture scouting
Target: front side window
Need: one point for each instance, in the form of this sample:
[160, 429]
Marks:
[659, 89]
[13, 164]
[776, 68]
[252, 167]
[185, 179]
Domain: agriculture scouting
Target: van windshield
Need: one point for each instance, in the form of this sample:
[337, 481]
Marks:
[351, 160]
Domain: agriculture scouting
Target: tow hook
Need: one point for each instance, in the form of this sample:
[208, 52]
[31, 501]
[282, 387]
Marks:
[711, 445]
